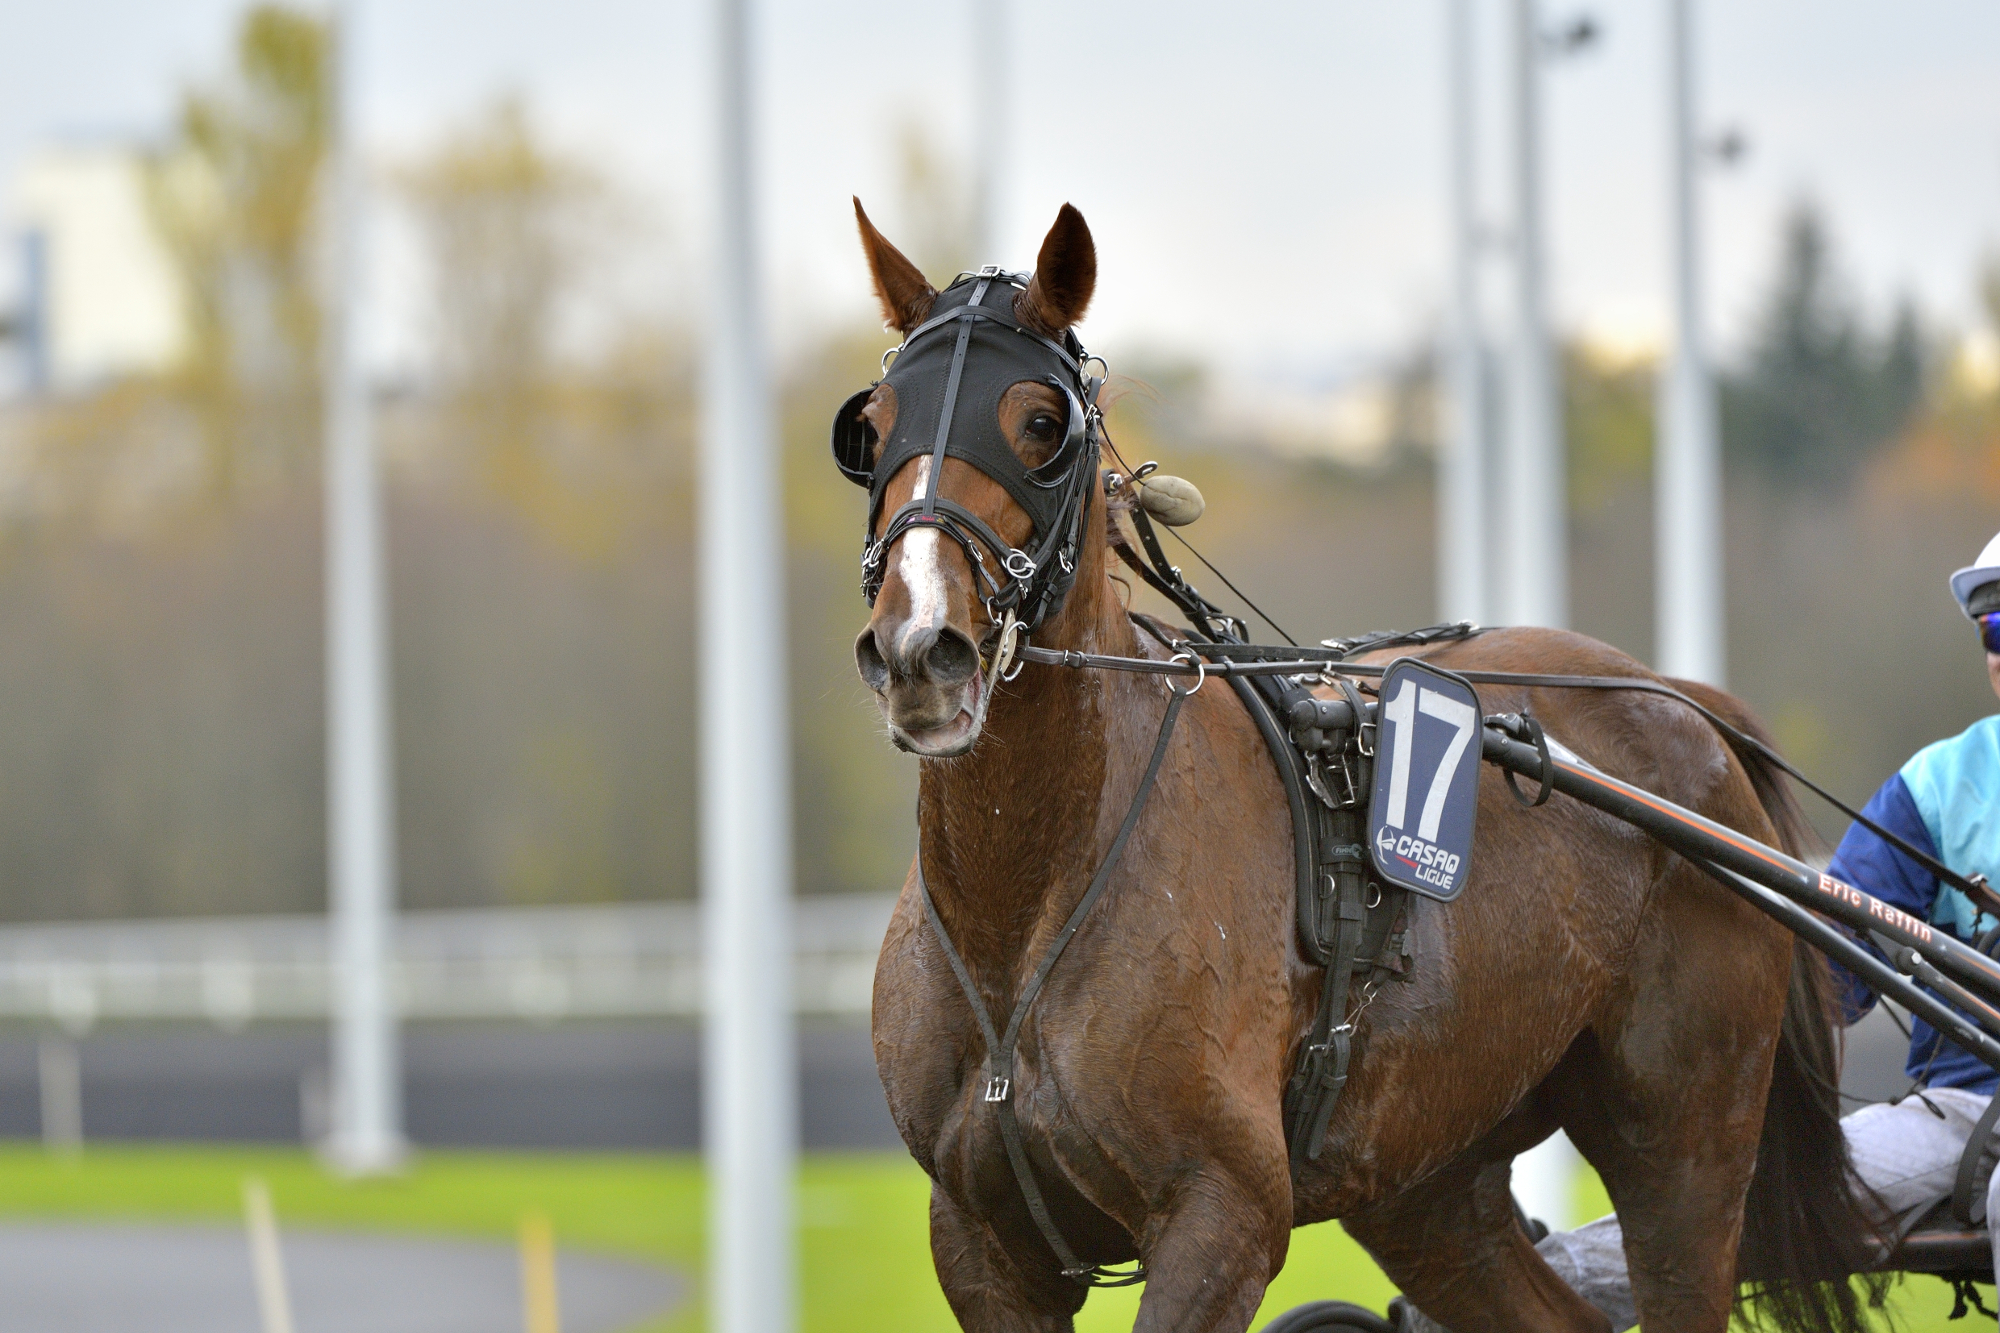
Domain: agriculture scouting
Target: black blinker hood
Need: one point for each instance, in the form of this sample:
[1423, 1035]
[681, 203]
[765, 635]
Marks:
[1001, 353]
[949, 377]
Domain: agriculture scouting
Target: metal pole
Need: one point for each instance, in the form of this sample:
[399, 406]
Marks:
[1533, 530]
[750, 1121]
[989, 125]
[33, 333]
[1462, 483]
[59, 1070]
[1688, 472]
[1534, 488]
[361, 832]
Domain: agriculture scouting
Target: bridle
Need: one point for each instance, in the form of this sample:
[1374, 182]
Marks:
[982, 350]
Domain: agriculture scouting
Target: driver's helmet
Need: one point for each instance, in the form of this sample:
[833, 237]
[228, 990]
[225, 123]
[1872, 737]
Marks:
[1977, 586]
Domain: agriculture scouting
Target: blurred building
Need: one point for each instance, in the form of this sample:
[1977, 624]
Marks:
[98, 292]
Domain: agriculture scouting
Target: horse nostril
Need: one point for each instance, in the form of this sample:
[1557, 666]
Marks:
[869, 661]
[953, 660]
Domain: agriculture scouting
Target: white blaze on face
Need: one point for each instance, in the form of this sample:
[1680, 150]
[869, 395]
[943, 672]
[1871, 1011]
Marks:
[920, 571]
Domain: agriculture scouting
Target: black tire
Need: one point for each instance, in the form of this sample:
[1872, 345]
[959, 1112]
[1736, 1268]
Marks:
[1329, 1317]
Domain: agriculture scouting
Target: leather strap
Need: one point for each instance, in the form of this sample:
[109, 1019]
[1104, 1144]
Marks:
[951, 391]
[1315, 1087]
[1000, 1047]
[1002, 315]
[1540, 738]
[1966, 1206]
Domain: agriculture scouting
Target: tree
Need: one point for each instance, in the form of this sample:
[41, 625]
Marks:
[1818, 394]
[234, 199]
[512, 229]
[505, 222]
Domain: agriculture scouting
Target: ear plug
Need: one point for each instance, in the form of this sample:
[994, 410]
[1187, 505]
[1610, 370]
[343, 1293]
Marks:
[1174, 501]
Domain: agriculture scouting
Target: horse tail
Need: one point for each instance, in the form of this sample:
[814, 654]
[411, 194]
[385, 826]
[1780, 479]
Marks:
[1809, 1222]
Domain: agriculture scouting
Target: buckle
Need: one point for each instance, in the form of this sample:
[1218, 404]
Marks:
[997, 1088]
[1003, 657]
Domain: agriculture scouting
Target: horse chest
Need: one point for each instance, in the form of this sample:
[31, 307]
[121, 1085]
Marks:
[934, 1068]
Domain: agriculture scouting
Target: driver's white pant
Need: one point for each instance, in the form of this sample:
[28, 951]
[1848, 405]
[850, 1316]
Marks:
[1905, 1152]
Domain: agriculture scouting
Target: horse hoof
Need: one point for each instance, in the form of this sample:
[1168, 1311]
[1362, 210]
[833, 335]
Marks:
[1173, 500]
[1329, 1317]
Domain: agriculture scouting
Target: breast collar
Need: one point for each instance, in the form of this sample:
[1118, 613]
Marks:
[949, 375]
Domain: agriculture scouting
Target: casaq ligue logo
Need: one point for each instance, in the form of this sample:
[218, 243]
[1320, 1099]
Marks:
[1428, 862]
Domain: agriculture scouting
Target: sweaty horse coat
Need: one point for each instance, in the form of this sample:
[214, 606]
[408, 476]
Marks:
[1585, 978]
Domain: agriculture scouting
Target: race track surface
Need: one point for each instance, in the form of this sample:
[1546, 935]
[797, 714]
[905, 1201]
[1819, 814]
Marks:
[78, 1278]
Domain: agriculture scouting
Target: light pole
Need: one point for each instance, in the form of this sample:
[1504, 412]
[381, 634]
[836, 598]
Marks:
[1688, 469]
[1533, 531]
[32, 329]
[361, 812]
[989, 60]
[749, 1112]
[1463, 549]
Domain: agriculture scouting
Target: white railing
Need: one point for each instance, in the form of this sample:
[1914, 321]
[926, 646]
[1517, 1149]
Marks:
[537, 963]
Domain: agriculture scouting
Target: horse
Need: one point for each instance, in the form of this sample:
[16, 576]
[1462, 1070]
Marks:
[1585, 979]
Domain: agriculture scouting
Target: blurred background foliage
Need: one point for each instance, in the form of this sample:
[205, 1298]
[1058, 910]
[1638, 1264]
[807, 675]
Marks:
[161, 752]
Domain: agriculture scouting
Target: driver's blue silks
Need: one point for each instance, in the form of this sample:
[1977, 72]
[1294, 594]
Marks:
[1946, 801]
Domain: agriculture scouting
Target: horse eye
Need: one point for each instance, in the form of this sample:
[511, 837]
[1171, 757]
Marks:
[1043, 427]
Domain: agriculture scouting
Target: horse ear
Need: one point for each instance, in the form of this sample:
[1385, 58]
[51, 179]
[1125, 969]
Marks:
[1065, 276]
[906, 298]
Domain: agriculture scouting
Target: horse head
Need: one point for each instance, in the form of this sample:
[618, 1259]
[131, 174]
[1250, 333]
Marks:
[979, 449]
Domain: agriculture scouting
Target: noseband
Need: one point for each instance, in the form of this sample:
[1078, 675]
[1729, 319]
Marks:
[975, 349]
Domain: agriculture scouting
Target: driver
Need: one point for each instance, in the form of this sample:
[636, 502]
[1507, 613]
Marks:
[1945, 801]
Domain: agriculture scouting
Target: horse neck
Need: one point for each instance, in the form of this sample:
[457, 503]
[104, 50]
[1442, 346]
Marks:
[1009, 831]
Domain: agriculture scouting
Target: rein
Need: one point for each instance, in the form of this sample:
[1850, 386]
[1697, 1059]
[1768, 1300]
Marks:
[1251, 660]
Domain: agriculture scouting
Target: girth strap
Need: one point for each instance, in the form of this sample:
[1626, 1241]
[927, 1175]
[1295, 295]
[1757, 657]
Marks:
[1000, 1048]
[1315, 1088]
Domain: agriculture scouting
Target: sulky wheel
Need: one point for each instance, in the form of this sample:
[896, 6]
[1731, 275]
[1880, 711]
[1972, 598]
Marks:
[1329, 1317]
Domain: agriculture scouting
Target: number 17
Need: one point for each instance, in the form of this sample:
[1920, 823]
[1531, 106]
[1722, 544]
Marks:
[1402, 713]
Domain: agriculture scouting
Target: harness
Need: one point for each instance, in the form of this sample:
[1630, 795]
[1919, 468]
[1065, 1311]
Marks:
[1347, 922]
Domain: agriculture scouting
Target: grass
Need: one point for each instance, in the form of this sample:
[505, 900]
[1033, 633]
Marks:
[864, 1256]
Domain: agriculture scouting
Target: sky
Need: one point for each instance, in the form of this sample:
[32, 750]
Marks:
[1267, 192]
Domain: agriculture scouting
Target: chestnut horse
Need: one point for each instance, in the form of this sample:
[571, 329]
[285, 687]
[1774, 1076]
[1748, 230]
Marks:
[1586, 978]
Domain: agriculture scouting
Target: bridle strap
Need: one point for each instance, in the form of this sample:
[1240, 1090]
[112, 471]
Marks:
[943, 514]
[973, 311]
[1000, 1047]
[951, 390]
[1026, 582]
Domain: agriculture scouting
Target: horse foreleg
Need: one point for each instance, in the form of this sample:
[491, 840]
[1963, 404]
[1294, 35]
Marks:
[1452, 1244]
[988, 1292]
[1211, 1256]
